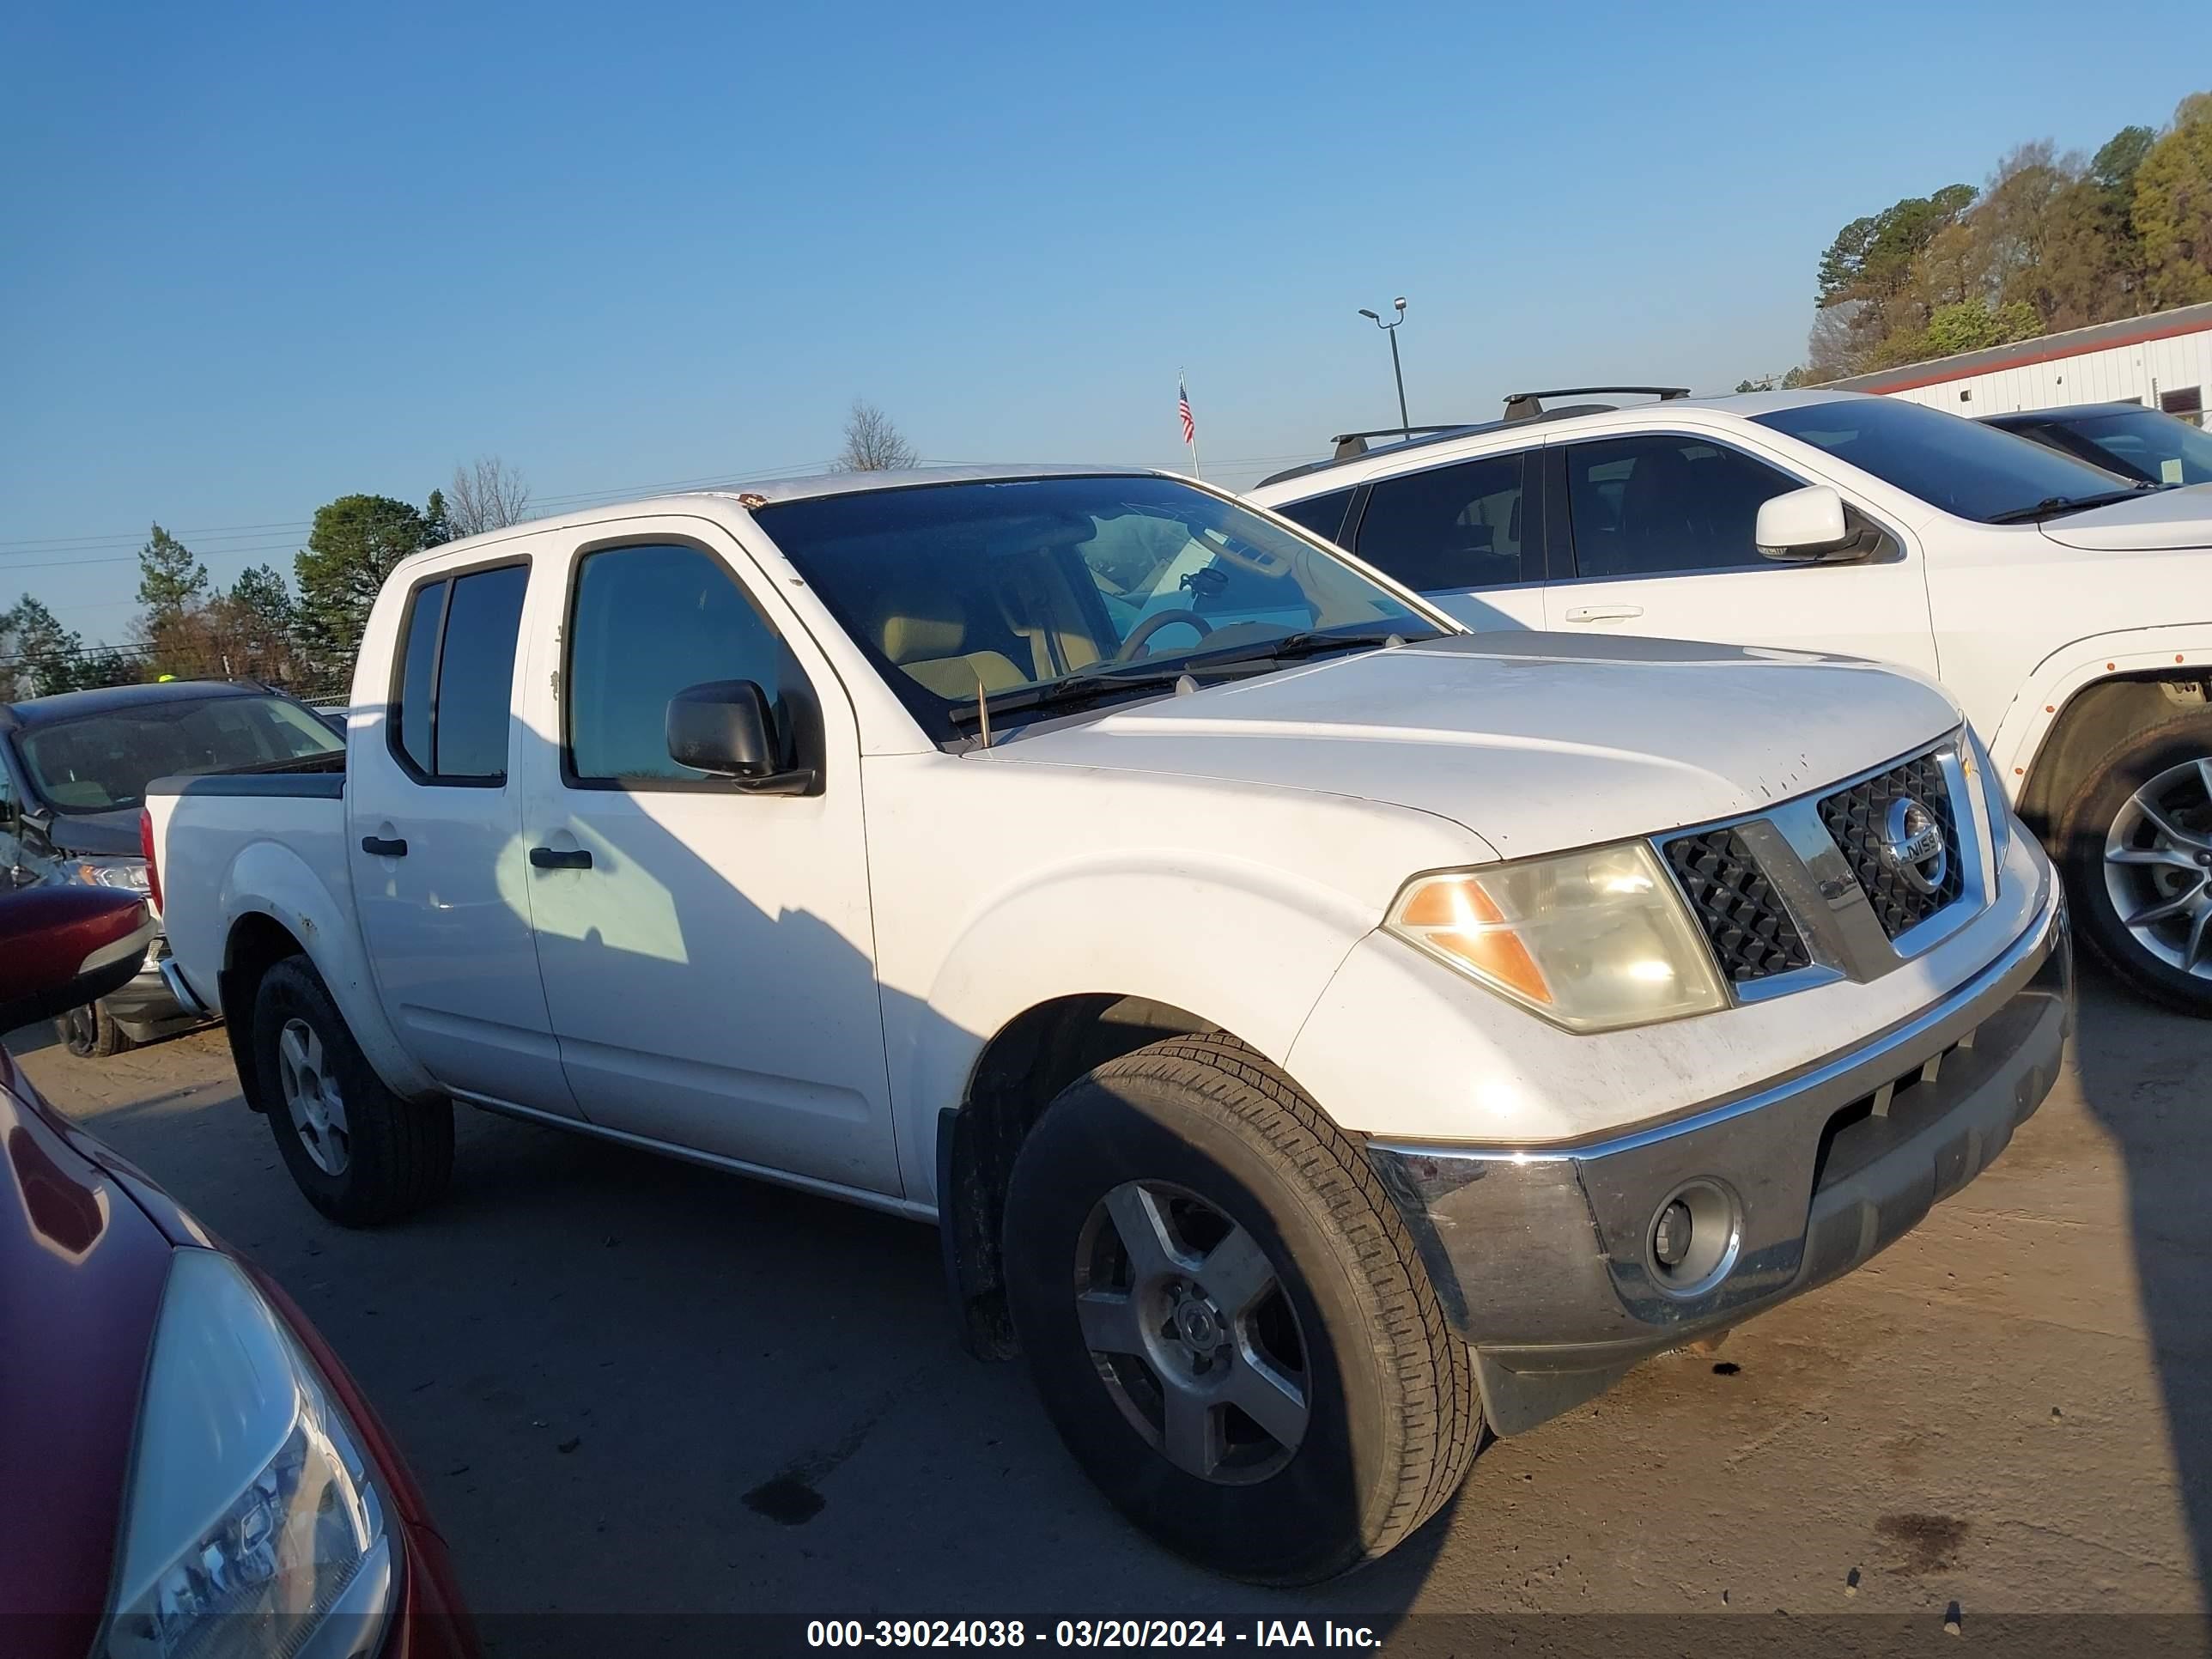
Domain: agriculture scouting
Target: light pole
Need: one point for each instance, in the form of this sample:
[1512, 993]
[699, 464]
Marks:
[1390, 328]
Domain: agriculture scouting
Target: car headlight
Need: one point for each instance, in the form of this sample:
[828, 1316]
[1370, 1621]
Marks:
[252, 1522]
[1592, 940]
[129, 874]
[1997, 809]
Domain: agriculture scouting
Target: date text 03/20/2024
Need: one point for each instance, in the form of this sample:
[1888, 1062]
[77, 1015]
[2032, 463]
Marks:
[1085, 1633]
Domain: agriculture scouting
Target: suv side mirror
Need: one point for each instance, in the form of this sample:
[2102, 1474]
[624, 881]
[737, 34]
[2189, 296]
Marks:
[725, 727]
[1812, 526]
[66, 945]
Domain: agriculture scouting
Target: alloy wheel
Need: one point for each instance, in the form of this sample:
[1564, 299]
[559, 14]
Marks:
[1193, 1334]
[2158, 867]
[311, 1098]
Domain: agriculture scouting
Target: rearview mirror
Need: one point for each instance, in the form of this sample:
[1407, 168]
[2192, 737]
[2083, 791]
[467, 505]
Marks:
[728, 729]
[62, 946]
[1810, 527]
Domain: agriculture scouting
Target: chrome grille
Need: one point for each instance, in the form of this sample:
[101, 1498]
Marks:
[1856, 816]
[1744, 919]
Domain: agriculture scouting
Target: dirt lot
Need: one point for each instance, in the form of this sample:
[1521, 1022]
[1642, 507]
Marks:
[629, 1384]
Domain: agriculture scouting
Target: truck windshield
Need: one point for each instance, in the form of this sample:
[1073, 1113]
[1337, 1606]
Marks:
[1972, 471]
[963, 591]
[99, 762]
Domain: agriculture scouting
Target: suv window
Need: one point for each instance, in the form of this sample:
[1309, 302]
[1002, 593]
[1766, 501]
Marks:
[457, 675]
[1450, 526]
[645, 623]
[1322, 514]
[1964, 467]
[1646, 506]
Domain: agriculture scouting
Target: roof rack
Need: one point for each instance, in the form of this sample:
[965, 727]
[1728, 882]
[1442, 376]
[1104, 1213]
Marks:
[1527, 405]
[1349, 444]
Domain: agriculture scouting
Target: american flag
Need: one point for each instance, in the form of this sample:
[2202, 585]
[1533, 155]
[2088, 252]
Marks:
[1182, 408]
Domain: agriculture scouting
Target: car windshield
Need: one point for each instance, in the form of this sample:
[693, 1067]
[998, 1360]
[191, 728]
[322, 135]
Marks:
[1034, 593]
[1974, 471]
[99, 762]
[2143, 443]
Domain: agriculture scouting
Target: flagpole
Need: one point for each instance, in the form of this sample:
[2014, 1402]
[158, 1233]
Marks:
[1183, 389]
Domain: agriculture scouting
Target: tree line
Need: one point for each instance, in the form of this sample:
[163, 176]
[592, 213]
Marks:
[301, 635]
[2052, 242]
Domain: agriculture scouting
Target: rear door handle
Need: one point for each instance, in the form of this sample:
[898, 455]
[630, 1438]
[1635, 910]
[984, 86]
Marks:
[545, 858]
[1604, 612]
[377, 847]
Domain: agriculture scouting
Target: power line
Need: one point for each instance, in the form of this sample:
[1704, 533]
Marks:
[571, 500]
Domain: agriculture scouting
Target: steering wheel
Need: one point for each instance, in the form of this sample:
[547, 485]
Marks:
[1152, 624]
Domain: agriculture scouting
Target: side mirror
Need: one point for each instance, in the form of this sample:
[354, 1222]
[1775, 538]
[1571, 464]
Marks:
[62, 946]
[726, 728]
[1810, 526]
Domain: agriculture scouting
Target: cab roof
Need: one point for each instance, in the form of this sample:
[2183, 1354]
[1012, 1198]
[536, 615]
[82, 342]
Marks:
[74, 705]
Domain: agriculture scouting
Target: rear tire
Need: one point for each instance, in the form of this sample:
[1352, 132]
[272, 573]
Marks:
[2135, 845]
[91, 1032]
[1200, 1146]
[362, 1155]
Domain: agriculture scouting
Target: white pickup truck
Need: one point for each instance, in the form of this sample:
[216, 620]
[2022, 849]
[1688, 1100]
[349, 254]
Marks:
[2065, 607]
[1316, 1031]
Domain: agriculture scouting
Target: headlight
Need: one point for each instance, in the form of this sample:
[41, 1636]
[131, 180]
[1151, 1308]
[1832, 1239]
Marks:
[129, 874]
[252, 1522]
[1592, 940]
[1994, 804]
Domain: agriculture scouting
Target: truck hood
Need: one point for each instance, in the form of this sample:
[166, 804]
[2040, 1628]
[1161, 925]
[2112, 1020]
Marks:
[1533, 741]
[2157, 519]
[96, 833]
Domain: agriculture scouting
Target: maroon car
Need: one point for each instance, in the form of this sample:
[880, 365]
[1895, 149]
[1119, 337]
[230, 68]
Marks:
[187, 1467]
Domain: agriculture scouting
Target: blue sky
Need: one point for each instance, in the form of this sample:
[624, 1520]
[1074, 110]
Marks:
[254, 259]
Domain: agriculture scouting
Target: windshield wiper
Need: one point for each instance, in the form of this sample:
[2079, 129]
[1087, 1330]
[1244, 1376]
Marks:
[1069, 693]
[1310, 642]
[1076, 689]
[2052, 507]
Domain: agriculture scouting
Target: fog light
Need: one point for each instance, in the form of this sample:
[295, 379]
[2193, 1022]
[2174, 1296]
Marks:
[1694, 1237]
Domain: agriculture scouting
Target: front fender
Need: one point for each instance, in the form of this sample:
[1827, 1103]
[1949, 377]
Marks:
[2067, 671]
[269, 878]
[1239, 944]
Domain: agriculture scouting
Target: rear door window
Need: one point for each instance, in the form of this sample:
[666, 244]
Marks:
[457, 675]
[1450, 526]
[1322, 514]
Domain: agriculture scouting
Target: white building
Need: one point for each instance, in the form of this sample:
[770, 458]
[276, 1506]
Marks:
[2161, 361]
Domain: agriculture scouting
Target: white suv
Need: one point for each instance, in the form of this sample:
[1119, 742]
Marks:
[2068, 613]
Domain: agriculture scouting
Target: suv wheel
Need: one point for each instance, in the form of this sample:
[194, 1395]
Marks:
[1227, 1318]
[361, 1154]
[2136, 844]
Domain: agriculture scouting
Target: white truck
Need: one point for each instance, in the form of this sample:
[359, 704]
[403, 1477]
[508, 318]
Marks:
[1316, 1031]
[2065, 606]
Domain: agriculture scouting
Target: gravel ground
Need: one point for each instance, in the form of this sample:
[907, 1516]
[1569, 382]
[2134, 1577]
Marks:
[629, 1385]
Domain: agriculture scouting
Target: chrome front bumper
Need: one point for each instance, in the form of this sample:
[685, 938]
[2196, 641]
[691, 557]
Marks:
[1545, 1259]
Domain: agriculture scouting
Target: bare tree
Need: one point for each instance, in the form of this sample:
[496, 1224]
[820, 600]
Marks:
[872, 444]
[488, 494]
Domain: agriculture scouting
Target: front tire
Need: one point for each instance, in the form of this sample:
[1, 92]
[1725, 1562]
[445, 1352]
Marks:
[362, 1155]
[1227, 1320]
[92, 1033]
[2135, 842]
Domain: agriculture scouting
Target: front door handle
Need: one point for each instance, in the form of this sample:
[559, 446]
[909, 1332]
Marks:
[546, 858]
[1604, 612]
[377, 847]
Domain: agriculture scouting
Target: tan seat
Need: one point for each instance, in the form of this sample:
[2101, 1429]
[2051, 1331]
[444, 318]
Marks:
[926, 649]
